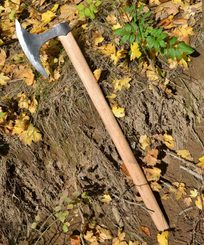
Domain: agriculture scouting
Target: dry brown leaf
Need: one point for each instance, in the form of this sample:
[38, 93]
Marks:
[74, 240]
[97, 38]
[26, 74]
[90, 237]
[187, 201]
[180, 191]
[155, 186]
[152, 174]
[183, 32]
[104, 234]
[2, 57]
[151, 157]
[145, 230]
[3, 79]
[68, 12]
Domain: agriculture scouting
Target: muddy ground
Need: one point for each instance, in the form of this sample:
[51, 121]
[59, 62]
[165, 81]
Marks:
[77, 154]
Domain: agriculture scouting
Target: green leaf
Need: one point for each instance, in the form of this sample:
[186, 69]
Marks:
[125, 38]
[62, 215]
[65, 227]
[172, 41]
[128, 28]
[80, 7]
[119, 31]
[185, 48]
[171, 53]
[87, 12]
[162, 44]
[132, 38]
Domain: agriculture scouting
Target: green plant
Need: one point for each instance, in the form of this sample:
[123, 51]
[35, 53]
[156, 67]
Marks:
[88, 9]
[141, 29]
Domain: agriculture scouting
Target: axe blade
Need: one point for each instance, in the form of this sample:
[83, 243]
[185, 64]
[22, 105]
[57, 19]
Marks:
[31, 43]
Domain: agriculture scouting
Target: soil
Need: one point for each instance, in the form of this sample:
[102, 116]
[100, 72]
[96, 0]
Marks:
[77, 154]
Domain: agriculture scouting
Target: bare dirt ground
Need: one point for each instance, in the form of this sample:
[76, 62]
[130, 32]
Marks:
[77, 154]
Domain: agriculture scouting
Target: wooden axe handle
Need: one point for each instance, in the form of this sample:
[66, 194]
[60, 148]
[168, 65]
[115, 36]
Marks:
[114, 129]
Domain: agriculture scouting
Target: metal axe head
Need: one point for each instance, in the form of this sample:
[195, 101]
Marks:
[31, 43]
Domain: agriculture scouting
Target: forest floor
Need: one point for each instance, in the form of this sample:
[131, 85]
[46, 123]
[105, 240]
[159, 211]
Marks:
[70, 186]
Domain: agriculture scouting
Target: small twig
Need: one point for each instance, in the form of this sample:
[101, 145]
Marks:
[196, 175]
[185, 210]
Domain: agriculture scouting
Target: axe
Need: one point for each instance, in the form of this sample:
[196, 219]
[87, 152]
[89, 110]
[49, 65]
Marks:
[31, 44]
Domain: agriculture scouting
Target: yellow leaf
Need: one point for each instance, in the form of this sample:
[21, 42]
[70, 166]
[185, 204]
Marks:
[118, 111]
[55, 7]
[154, 2]
[193, 193]
[185, 154]
[151, 73]
[68, 13]
[169, 141]
[155, 186]
[183, 64]
[201, 162]
[180, 191]
[16, 1]
[187, 201]
[183, 32]
[120, 84]
[97, 38]
[104, 234]
[135, 52]
[144, 141]
[163, 238]
[110, 50]
[89, 236]
[23, 101]
[200, 202]
[30, 135]
[152, 174]
[106, 198]
[48, 16]
[3, 79]
[26, 74]
[111, 96]
[116, 26]
[21, 124]
[33, 105]
[2, 57]
[97, 73]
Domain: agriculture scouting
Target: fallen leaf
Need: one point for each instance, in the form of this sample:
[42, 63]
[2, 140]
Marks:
[135, 51]
[187, 201]
[30, 135]
[104, 234]
[151, 157]
[97, 73]
[183, 32]
[151, 74]
[145, 230]
[199, 202]
[155, 186]
[152, 174]
[106, 198]
[162, 238]
[3, 79]
[21, 124]
[185, 154]
[120, 84]
[74, 240]
[118, 111]
[48, 16]
[144, 141]
[90, 237]
[201, 162]
[154, 2]
[111, 96]
[193, 193]
[97, 38]
[111, 19]
[26, 74]
[2, 57]
[169, 141]
[180, 190]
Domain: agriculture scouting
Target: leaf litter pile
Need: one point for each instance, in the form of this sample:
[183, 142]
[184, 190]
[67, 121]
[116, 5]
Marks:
[62, 181]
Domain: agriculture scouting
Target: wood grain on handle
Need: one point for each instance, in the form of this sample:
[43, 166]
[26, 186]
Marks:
[113, 129]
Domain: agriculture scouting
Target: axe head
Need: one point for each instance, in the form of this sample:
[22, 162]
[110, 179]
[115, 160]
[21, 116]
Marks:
[31, 43]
